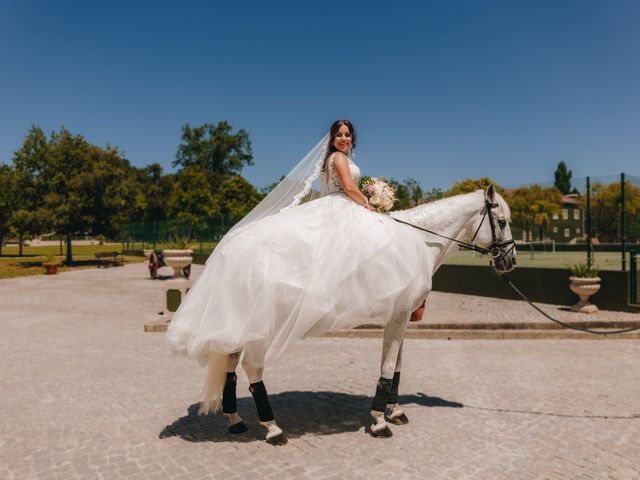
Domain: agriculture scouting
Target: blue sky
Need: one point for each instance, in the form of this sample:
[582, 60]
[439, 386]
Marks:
[438, 90]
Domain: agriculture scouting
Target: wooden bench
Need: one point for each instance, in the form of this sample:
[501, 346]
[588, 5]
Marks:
[106, 259]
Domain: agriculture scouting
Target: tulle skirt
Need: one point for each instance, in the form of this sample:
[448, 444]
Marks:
[325, 265]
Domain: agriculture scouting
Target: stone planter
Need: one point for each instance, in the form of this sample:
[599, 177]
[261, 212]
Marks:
[177, 259]
[584, 287]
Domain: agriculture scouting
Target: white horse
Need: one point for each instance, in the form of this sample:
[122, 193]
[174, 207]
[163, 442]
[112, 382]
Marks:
[481, 216]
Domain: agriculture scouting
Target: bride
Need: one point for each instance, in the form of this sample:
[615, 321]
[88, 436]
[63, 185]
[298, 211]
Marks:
[291, 269]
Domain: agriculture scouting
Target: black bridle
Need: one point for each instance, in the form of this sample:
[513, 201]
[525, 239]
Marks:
[497, 250]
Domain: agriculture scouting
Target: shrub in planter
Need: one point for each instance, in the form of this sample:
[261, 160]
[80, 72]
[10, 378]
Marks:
[584, 282]
[50, 264]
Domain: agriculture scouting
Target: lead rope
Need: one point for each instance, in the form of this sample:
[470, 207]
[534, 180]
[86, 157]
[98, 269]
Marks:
[567, 325]
[482, 250]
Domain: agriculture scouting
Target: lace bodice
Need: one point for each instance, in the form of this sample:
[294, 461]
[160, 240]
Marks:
[329, 178]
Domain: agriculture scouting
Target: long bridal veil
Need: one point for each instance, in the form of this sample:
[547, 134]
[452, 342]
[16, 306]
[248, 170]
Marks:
[300, 185]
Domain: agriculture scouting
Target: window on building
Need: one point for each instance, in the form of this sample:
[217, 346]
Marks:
[577, 231]
[576, 214]
[555, 216]
[567, 232]
[565, 214]
[555, 229]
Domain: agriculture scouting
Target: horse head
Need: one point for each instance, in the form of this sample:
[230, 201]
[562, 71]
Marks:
[492, 232]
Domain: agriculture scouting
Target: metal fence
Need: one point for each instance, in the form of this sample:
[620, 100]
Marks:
[598, 215]
[598, 219]
[201, 235]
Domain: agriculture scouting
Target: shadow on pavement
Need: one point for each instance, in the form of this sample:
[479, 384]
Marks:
[298, 413]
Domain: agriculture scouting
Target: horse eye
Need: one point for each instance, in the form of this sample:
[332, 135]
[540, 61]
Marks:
[502, 223]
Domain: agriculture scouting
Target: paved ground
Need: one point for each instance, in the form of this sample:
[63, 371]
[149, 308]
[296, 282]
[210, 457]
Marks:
[86, 394]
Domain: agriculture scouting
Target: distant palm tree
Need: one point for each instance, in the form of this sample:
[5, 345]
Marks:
[541, 211]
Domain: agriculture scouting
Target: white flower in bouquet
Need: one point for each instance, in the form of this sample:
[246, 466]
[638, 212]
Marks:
[380, 194]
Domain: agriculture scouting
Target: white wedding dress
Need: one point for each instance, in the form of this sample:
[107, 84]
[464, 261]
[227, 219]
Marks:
[328, 264]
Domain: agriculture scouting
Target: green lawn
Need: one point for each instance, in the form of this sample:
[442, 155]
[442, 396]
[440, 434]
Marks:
[11, 265]
[602, 260]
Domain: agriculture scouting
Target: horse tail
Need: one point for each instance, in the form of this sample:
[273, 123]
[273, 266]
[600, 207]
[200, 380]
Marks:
[214, 385]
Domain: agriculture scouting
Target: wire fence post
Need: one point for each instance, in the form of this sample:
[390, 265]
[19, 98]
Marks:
[623, 233]
[588, 224]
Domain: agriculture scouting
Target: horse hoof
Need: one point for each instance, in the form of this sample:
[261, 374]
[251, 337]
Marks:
[384, 433]
[277, 440]
[399, 420]
[238, 428]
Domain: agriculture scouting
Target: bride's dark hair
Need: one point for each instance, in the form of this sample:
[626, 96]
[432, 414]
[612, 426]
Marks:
[333, 131]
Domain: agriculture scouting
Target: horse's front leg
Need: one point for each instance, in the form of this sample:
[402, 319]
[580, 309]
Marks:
[391, 348]
[395, 414]
[252, 364]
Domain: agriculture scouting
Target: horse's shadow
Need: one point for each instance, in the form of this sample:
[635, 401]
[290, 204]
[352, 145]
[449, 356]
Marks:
[298, 413]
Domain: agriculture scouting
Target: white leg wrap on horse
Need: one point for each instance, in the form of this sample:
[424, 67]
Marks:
[233, 418]
[394, 410]
[379, 423]
[273, 430]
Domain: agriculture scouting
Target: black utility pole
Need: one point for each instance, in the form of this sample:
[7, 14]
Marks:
[623, 233]
[588, 223]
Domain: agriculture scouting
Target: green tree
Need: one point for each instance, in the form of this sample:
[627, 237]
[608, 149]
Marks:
[109, 183]
[531, 205]
[606, 209]
[563, 178]
[28, 216]
[414, 189]
[470, 185]
[8, 200]
[71, 186]
[191, 201]
[403, 198]
[214, 149]
[153, 190]
[433, 194]
[26, 221]
[236, 198]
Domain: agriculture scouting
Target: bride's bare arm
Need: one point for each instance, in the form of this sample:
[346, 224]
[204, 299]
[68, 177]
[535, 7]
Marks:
[341, 164]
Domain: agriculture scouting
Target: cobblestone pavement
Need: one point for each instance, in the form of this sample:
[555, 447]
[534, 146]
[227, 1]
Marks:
[86, 394]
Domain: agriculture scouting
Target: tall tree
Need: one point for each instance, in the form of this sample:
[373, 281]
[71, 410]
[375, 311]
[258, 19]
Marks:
[214, 149]
[415, 191]
[71, 186]
[29, 187]
[8, 200]
[563, 178]
[154, 188]
[236, 198]
[191, 201]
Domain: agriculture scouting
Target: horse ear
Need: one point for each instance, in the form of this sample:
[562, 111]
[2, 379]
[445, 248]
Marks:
[491, 193]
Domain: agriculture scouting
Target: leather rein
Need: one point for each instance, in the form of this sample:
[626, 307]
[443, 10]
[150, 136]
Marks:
[496, 250]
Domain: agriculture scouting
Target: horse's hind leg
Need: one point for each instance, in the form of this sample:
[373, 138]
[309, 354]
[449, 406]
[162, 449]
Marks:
[395, 414]
[252, 364]
[229, 401]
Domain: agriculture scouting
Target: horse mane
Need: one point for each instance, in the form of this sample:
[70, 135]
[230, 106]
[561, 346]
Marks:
[437, 205]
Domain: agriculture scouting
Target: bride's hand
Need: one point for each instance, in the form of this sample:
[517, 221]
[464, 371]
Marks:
[371, 207]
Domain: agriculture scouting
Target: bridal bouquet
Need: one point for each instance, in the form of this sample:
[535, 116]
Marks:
[380, 194]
